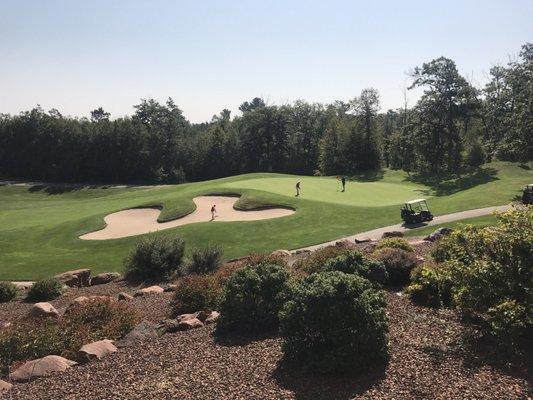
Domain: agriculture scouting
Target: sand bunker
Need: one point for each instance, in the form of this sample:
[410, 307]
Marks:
[137, 221]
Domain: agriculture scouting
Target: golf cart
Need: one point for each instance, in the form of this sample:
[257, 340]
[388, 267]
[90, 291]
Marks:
[416, 211]
[527, 194]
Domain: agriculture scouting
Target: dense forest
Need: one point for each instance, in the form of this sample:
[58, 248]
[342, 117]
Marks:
[453, 126]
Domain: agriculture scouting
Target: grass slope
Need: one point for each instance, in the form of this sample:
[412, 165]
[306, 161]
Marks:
[40, 225]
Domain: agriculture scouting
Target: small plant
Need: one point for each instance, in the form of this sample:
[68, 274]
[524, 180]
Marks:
[334, 322]
[394, 243]
[226, 271]
[398, 263]
[44, 290]
[316, 260]
[431, 285]
[8, 292]
[206, 260]
[264, 258]
[82, 323]
[196, 293]
[252, 298]
[102, 318]
[354, 262]
[155, 258]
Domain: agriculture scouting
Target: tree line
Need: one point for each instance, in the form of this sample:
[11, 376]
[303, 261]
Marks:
[453, 125]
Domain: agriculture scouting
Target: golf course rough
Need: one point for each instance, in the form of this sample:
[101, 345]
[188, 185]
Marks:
[40, 225]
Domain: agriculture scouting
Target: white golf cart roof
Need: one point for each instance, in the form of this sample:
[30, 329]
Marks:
[415, 201]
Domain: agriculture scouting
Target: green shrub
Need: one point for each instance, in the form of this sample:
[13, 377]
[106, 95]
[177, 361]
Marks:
[82, 323]
[431, 285]
[155, 258]
[334, 322]
[465, 245]
[316, 260]
[398, 263]
[394, 243]
[508, 321]
[252, 298]
[206, 260]
[8, 292]
[491, 271]
[354, 262]
[44, 290]
[196, 293]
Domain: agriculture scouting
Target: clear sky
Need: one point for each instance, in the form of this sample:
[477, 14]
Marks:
[77, 55]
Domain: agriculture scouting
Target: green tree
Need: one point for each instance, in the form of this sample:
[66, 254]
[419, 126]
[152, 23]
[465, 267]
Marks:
[441, 115]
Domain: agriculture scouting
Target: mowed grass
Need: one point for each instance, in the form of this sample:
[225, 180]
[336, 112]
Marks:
[40, 225]
[486, 220]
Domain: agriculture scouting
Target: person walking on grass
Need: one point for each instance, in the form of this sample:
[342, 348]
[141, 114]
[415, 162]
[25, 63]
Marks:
[343, 181]
[213, 212]
[298, 189]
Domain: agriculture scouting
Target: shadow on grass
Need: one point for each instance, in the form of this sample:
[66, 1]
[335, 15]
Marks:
[367, 176]
[445, 185]
[58, 188]
[308, 386]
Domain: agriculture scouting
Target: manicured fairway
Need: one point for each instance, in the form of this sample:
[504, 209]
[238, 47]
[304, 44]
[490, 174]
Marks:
[39, 226]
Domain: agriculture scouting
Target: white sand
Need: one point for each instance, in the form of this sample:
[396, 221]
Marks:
[144, 220]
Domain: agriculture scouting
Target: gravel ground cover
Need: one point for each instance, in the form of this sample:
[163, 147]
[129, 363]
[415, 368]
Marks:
[425, 364]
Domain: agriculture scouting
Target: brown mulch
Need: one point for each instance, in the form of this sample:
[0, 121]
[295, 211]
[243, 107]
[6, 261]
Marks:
[152, 308]
[424, 364]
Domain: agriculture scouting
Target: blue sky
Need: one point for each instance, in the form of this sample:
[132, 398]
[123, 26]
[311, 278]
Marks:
[209, 55]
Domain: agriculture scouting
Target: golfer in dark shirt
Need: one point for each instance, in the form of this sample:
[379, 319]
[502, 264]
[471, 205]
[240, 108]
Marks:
[343, 181]
[297, 189]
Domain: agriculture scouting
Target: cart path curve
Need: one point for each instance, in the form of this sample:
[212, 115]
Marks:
[375, 234]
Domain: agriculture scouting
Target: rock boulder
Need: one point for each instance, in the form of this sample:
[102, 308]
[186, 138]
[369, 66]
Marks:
[5, 386]
[43, 310]
[149, 290]
[105, 277]
[436, 235]
[75, 278]
[212, 317]
[144, 331]
[391, 234]
[96, 350]
[40, 367]
[123, 296]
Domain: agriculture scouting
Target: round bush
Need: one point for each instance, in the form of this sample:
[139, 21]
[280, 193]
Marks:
[398, 263]
[334, 322]
[196, 293]
[252, 299]
[8, 292]
[155, 258]
[206, 260]
[316, 260]
[44, 290]
[354, 262]
[431, 284]
[394, 243]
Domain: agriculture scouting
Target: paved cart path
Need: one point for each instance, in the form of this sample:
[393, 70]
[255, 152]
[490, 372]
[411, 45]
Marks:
[375, 234]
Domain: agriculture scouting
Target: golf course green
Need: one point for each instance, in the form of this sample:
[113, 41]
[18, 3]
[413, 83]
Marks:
[40, 225]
